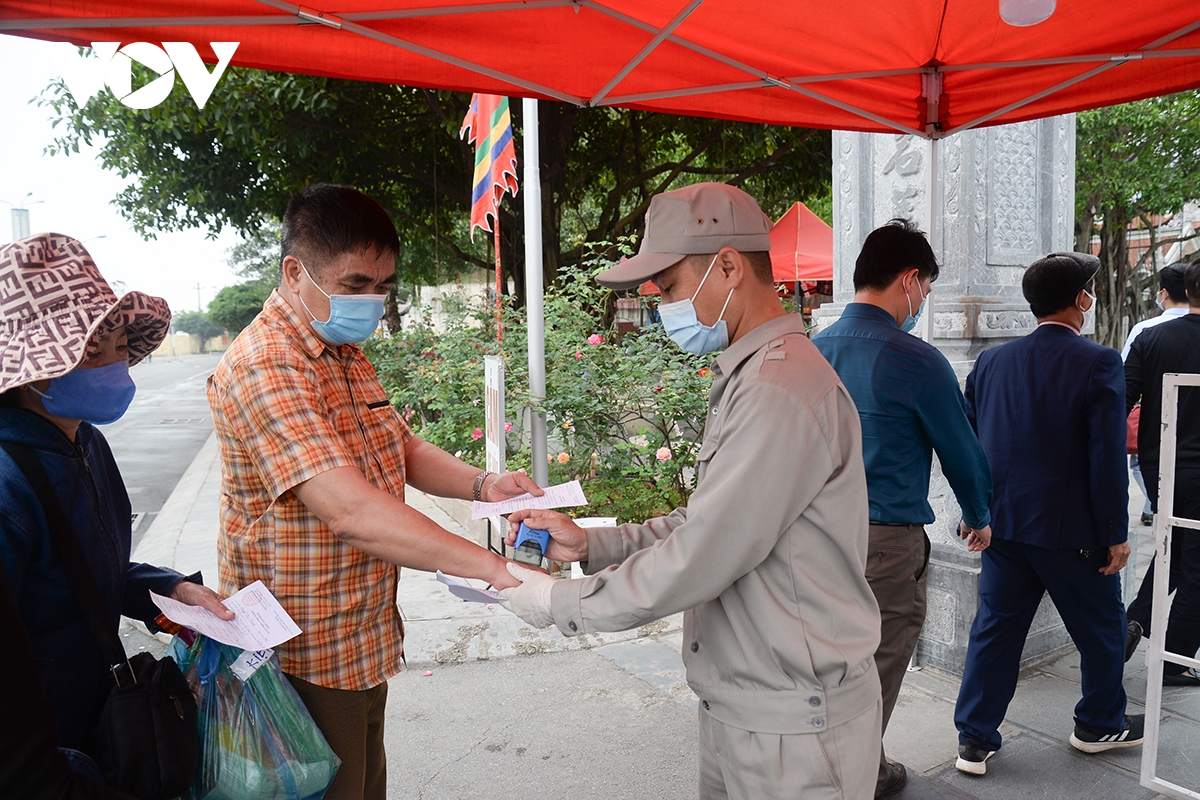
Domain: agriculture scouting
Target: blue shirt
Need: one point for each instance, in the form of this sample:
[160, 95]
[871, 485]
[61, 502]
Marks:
[910, 405]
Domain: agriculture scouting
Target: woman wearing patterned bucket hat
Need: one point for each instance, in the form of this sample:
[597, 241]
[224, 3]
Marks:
[66, 345]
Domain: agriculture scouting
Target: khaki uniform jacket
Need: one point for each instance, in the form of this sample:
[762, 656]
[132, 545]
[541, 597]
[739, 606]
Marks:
[768, 559]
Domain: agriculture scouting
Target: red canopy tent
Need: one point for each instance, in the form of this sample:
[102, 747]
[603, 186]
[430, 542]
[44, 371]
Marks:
[801, 247]
[929, 67]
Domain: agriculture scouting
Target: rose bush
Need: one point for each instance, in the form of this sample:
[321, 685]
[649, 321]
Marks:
[624, 411]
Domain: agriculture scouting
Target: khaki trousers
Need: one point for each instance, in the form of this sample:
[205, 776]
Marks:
[836, 764]
[897, 568]
[352, 723]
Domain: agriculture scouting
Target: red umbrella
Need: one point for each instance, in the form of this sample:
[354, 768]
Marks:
[930, 67]
[801, 247]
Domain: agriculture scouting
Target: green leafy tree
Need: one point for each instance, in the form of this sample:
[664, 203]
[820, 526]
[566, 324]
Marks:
[236, 306]
[196, 323]
[256, 257]
[264, 135]
[1134, 162]
[623, 414]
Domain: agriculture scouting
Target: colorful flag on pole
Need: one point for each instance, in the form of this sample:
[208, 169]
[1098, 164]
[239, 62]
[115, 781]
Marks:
[495, 157]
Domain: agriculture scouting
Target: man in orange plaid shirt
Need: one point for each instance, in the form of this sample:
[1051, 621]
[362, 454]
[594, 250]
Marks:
[314, 461]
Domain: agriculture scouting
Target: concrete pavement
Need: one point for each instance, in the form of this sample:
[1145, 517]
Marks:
[509, 710]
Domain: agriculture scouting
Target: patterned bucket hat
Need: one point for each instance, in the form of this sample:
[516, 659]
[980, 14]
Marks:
[54, 304]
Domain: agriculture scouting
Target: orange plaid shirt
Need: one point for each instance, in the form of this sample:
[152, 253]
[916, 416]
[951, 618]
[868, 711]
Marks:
[287, 407]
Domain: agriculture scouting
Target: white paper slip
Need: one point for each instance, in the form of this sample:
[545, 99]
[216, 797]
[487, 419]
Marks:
[564, 494]
[462, 589]
[248, 663]
[260, 622]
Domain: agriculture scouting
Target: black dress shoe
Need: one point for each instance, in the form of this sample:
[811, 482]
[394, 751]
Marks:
[1189, 677]
[897, 776]
[1133, 635]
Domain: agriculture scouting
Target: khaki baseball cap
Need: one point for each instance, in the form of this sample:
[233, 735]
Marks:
[697, 219]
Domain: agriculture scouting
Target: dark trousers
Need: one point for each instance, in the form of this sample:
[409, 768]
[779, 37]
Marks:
[897, 568]
[352, 723]
[1183, 623]
[1013, 579]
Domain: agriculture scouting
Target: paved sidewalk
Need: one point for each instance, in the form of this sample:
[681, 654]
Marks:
[613, 691]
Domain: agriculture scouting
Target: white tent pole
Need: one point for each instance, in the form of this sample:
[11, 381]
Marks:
[533, 287]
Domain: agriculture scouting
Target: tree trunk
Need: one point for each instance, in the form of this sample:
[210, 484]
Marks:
[1113, 279]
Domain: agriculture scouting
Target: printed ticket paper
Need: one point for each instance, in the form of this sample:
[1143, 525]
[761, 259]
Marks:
[259, 622]
[465, 591]
[560, 496]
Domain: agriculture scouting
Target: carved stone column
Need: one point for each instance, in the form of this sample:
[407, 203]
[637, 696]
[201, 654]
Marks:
[991, 201]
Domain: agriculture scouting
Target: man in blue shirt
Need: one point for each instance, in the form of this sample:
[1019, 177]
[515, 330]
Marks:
[910, 405]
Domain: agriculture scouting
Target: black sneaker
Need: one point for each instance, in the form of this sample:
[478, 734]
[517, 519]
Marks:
[1189, 677]
[1133, 635]
[1147, 519]
[1089, 741]
[972, 757]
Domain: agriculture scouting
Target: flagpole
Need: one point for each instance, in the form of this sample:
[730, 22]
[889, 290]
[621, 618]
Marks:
[533, 288]
[499, 317]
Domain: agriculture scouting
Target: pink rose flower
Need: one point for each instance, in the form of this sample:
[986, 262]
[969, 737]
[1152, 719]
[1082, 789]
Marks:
[595, 339]
[663, 454]
[578, 355]
[507, 427]
[477, 434]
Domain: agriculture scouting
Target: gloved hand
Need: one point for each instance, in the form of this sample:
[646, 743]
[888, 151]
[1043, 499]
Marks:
[531, 600]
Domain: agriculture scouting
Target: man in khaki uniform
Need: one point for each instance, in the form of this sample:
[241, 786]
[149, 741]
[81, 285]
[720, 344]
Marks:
[768, 559]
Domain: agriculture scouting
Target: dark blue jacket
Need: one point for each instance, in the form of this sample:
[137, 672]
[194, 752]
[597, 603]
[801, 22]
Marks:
[1050, 412]
[93, 496]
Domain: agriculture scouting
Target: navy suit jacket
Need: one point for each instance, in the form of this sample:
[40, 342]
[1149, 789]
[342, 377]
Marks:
[1049, 409]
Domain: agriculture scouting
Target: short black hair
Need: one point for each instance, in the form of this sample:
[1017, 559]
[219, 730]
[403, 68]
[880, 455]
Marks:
[1171, 279]
[892, 250]
[1191, 282]
[324, 221]
[1052, 283]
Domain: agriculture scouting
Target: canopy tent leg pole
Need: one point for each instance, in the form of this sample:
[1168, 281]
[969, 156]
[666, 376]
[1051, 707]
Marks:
[499, 312]
[533, 288]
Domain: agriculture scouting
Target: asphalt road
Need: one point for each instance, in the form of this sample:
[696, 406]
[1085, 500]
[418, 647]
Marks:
[162, 431]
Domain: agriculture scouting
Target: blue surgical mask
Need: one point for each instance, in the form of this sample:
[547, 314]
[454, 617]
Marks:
[910, 321]
[99, 396]
[680, 322]
[352, 317]
[1158, 302]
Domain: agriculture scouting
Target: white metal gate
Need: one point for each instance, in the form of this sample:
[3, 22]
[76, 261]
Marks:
[1163, 522]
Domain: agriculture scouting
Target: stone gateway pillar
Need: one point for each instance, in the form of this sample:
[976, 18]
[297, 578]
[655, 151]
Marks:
[991, 201]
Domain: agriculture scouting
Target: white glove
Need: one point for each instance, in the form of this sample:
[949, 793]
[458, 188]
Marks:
[531, 600]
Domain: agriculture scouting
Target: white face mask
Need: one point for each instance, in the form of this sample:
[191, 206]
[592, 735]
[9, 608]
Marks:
[1089, 316]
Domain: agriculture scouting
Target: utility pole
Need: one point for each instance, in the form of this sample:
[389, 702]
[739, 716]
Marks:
[198, 288]
[20, 216]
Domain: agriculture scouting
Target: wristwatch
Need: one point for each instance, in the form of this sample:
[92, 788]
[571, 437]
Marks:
[477, 491]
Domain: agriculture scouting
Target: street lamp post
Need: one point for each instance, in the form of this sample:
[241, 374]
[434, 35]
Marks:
[20, 216]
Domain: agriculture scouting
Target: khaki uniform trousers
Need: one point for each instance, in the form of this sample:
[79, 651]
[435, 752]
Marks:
[835, 764]
[897, 569]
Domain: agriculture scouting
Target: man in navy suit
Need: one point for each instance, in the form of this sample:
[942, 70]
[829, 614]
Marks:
[1050, 413]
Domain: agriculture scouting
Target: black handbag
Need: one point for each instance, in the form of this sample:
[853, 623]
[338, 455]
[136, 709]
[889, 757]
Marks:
[147, 741]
